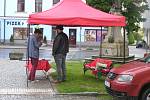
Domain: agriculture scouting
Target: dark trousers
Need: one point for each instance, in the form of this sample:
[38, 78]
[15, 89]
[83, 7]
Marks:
[34, 62]
[60, 66]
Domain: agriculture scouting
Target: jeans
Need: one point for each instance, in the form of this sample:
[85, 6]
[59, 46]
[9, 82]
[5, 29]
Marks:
[34, 62]
[60, 66]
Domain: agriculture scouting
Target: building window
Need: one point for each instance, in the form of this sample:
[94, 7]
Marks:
[20, 33]
[55, 1]
[38, 5]
[21, 6]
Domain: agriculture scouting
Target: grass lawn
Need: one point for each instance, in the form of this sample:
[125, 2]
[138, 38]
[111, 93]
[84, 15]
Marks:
[78, 82]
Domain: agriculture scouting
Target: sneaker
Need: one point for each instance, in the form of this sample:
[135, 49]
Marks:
[34, 81]
[56, 81]
[29, 80]
[63, 80]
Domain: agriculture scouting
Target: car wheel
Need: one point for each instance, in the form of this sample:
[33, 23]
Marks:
[146, 94]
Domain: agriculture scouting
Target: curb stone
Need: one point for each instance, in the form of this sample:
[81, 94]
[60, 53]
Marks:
[83, 94]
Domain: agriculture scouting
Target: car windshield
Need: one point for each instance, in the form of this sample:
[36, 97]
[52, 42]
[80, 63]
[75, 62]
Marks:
[145, 59]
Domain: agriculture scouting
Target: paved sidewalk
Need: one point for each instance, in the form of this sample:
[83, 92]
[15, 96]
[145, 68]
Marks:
[13, 84]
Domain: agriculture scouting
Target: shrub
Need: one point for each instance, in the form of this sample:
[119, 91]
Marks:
[45, 40]
[11, 38]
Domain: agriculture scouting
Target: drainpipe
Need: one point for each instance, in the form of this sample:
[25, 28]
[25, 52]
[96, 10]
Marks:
[4, 19]
[0, 31]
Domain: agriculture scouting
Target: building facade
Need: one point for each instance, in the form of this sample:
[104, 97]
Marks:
[146, 25]
[14, 15]
[13, 22]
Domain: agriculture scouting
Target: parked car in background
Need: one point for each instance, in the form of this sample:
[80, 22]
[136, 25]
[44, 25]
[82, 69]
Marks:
[130, 81]
[141, 44]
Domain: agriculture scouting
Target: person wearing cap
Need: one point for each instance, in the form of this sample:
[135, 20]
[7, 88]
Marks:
[59, 51]
[34, 42]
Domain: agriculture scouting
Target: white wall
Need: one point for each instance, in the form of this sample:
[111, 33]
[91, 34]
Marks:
[2, 8]
[11, 7]
[47, 4]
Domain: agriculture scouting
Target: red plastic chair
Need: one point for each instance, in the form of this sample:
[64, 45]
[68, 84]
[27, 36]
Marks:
[43, 65]
[92, 66]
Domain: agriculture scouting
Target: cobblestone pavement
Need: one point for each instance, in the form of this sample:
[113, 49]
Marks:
[13, 84]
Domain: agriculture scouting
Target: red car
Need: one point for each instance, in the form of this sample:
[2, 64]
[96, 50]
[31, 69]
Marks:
[130, 81]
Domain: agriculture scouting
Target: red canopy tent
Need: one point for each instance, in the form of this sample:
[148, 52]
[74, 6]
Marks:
[75, 13]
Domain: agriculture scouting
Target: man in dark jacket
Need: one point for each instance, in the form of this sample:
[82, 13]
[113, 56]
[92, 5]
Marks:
[59, 51]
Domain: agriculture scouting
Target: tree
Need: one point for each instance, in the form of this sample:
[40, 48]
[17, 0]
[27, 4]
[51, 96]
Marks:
[131, 9]
[131, 38]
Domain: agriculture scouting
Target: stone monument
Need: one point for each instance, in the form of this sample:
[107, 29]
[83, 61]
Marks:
[113, 44]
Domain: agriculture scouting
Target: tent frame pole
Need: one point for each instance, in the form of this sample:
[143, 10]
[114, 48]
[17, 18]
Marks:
[80, 39]
[101, 44]
[27, 55]
[124, 52]
[147, 40]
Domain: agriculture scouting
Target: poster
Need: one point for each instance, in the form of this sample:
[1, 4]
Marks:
[99, 33]
[90, 35]
[95, 35]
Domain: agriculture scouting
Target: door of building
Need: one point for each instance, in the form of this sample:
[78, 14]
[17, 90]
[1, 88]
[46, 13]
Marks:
[72, 37]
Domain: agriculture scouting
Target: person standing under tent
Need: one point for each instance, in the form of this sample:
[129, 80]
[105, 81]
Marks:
[34, 42]
[59, 51]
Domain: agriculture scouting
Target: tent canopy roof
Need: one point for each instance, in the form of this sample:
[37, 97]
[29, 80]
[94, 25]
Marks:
[75, 13]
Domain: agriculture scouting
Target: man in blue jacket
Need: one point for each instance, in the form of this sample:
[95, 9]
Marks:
[34, 42]
[59, 51]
